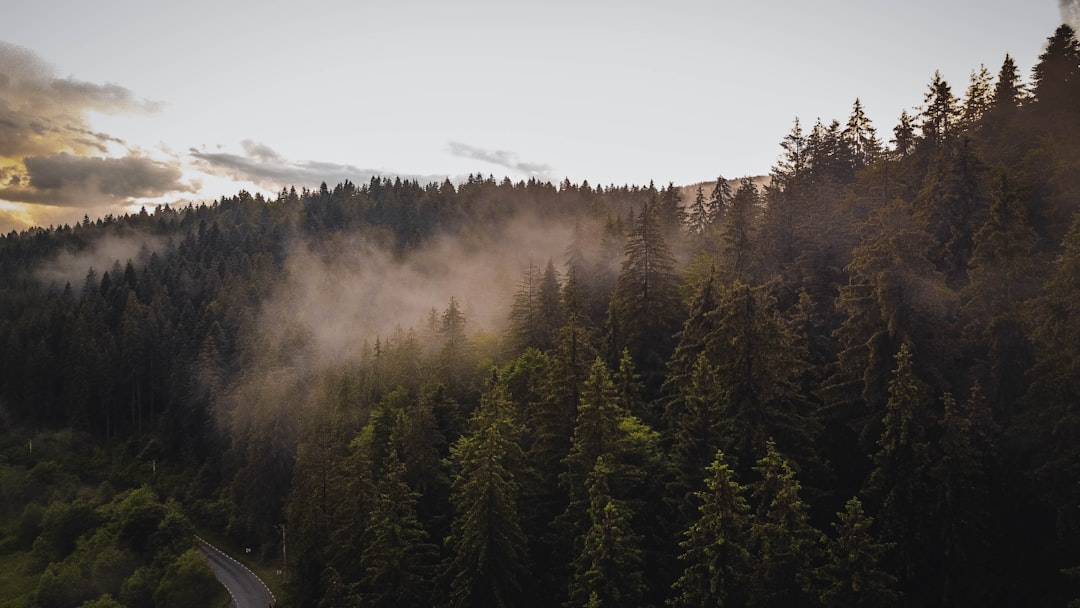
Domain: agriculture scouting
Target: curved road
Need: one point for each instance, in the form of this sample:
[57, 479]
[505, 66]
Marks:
[246, 589]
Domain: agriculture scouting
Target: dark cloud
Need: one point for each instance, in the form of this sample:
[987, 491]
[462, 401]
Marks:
[77, 181]
[263, 166]
[502, 158]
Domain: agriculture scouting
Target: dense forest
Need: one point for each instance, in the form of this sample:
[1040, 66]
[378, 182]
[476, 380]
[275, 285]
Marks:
[855, 385]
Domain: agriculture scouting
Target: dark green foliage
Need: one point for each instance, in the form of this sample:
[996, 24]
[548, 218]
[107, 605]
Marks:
[397, 560]
[645, 309]
[900, 482]
[609, 569]
[716, 563]
[487, 567]
[784, 546]
[854, 574]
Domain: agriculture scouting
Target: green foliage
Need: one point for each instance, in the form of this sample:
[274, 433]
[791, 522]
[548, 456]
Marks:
[715, 556]
[784, 545]
[854, 574]
[609, 569]
[187, 581]
[488, 552]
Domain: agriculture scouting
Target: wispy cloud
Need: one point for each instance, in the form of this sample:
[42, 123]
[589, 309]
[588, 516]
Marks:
[502, 158]
[264, 166]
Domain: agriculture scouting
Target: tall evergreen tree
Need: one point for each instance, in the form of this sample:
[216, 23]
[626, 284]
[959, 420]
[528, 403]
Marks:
[900, 482]
[1057, 75]
[397, 559]
[783, 544]
[645, 308]
[854, 574]
[609, 569]
[487, 567]
[715, 557]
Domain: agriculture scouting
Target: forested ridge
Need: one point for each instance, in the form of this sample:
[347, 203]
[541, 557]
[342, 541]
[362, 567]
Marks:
[858, 385]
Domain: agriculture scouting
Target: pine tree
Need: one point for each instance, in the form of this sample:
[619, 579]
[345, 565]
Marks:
[1003, 276]
[719, 201]
[487, 567]
[784, 547]
[397, 560]
[860, 139]
[1057, 75]
[645, 308]
[954, 200]
[716, 561]
[900, 481]
[894, 296]
[738, 231]
[758, 366]
[854, 574]
[941, 115]
[609, 569]
[977, 99]
[963, 492]
[697, 431]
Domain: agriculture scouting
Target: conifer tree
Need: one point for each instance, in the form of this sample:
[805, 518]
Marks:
[784, 547]
[487, 566]
[854, 574]
[609, 569]
[1003, 276]
[900, 481]
[1057, 75]
[738, 231]
[397, 560]
[862, 146]
[941, 114]
[715, 557]
[645, 308]
[963, 490]
[758, 367]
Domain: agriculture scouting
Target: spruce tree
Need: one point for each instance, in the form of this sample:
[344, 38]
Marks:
[645, 308]
[397, 560]
[900, 482]
[487, 566]
[715, 559]
[854, 574]
[784, 546]
[609, 568]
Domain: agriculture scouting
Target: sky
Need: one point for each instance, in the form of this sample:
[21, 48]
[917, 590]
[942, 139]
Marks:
[110, 105]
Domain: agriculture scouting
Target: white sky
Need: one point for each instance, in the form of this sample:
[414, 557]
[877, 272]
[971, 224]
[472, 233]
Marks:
[612, 92]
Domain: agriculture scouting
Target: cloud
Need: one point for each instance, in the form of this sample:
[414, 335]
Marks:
[263, 166]
[43, 114]
[1070, 12]
[77, 181]
[502, 158]
[51, 157]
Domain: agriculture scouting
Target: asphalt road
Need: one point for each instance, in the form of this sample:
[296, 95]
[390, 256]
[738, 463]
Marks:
[246, 589]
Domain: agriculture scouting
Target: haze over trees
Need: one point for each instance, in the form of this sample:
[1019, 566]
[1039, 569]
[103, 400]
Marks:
[854, 386]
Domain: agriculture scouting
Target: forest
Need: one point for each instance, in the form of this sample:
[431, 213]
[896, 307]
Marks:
[853, 383]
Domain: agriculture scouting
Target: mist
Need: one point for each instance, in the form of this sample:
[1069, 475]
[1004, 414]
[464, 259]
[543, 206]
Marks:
[100, 256]
[352, 289]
